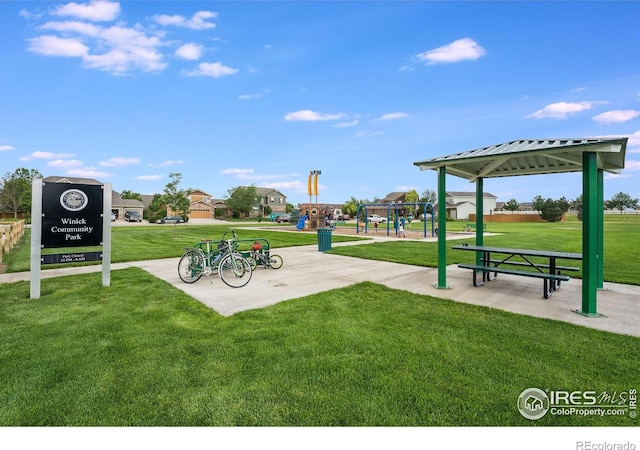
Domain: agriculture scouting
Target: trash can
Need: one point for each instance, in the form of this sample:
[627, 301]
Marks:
[324, 239]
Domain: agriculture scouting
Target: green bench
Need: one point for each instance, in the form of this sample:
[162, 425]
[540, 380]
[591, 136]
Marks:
[555, 278]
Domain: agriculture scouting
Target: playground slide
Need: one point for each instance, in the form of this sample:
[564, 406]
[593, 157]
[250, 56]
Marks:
[300, 225]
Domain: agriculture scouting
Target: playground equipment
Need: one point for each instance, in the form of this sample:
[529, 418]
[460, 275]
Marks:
[396, 206]
[312, 211]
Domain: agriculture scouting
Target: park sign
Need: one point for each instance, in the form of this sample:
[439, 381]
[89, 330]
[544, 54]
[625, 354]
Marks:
[71, 215]
[68, 215]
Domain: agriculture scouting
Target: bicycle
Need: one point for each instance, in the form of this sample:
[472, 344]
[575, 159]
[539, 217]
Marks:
[264, 257]
[233, 269]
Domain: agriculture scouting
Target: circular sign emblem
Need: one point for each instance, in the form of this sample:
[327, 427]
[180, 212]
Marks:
[73, 200]
[533, 403]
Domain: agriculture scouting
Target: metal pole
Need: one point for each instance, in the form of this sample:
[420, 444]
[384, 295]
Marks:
[589, 235]
[36, 237]
[600, 234]
[479, 217]
[442, 229]
[106, 234]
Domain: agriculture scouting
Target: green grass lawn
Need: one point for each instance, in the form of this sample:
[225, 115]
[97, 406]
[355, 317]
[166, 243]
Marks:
[621, 245]
[155, 242]
[141, 353]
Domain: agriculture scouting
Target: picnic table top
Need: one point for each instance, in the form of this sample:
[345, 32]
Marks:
[519, 251]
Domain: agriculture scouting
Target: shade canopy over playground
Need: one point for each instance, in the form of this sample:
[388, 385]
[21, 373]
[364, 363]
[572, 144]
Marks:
[591, 156]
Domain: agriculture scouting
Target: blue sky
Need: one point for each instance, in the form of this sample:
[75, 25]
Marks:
[236, 93]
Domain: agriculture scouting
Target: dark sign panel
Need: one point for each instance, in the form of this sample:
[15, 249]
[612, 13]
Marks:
[71, 215]
[71, 257]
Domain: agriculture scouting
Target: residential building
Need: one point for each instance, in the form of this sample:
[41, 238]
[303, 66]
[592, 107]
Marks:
[461, 204]
[272, 198]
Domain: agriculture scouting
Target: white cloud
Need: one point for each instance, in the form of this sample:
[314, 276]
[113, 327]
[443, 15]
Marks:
[632, 165]
[95, 11]
[115, 49]
[311, 116]
[235, 171]
[460, 50]
[120, 161]
[64, 163]
[633, 144]
[214, 70]
[72, 26]
[190, 51]
[6, 148]
[197, 22]
[147, 177]
[353, 123]
[45, 155]
[561, 110]
[254, 96]
[362, 134]
[393, 116]
[50, 45]
[168, 163]
[616, 116]
[88, 172]
[297, 186]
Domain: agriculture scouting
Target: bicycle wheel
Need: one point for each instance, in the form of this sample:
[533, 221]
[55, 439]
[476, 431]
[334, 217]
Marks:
[252, 262]
[191, 266]
[275, 261]
[235, 271]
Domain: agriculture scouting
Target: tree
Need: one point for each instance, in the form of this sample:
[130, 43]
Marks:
[127, 194]
[622, 201]
[15, 190]
[156, 210]
[411, 197]
[577, 205]
[175, 198]
[351, 206]
[242, 200]
[428, 196]
[551, 210]
[512, 205]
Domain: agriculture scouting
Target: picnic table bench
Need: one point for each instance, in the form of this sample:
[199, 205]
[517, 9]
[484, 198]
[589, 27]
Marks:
[552, 278]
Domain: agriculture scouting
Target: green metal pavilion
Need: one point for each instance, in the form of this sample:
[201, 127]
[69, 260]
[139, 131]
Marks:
[591, 156]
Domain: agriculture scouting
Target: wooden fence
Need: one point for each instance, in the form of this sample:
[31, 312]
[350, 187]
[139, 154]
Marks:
[10, 235]
[511, 218]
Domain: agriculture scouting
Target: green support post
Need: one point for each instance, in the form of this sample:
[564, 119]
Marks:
[442, 229]
[600, 235]
[589, 235]
[479, 217]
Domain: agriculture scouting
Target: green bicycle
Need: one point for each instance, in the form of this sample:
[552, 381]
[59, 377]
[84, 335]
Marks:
[206, 257]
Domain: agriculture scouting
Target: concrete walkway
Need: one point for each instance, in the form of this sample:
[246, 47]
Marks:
[307, 271]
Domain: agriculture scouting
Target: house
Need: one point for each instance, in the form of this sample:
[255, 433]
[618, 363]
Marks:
[202, 205]
[460, 204]
[272, 198]
[120, 205]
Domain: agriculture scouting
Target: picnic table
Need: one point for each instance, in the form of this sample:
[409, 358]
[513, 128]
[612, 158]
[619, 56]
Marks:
[550, 271]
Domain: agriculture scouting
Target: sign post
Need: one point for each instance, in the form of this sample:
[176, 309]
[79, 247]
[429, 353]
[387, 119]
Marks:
[65, 216]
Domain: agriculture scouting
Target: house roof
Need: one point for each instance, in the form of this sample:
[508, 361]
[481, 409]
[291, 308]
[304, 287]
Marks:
[70, 180]
[118, 201]
[268, 191]
[530, 157]
[469, 194]
[395, 196]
